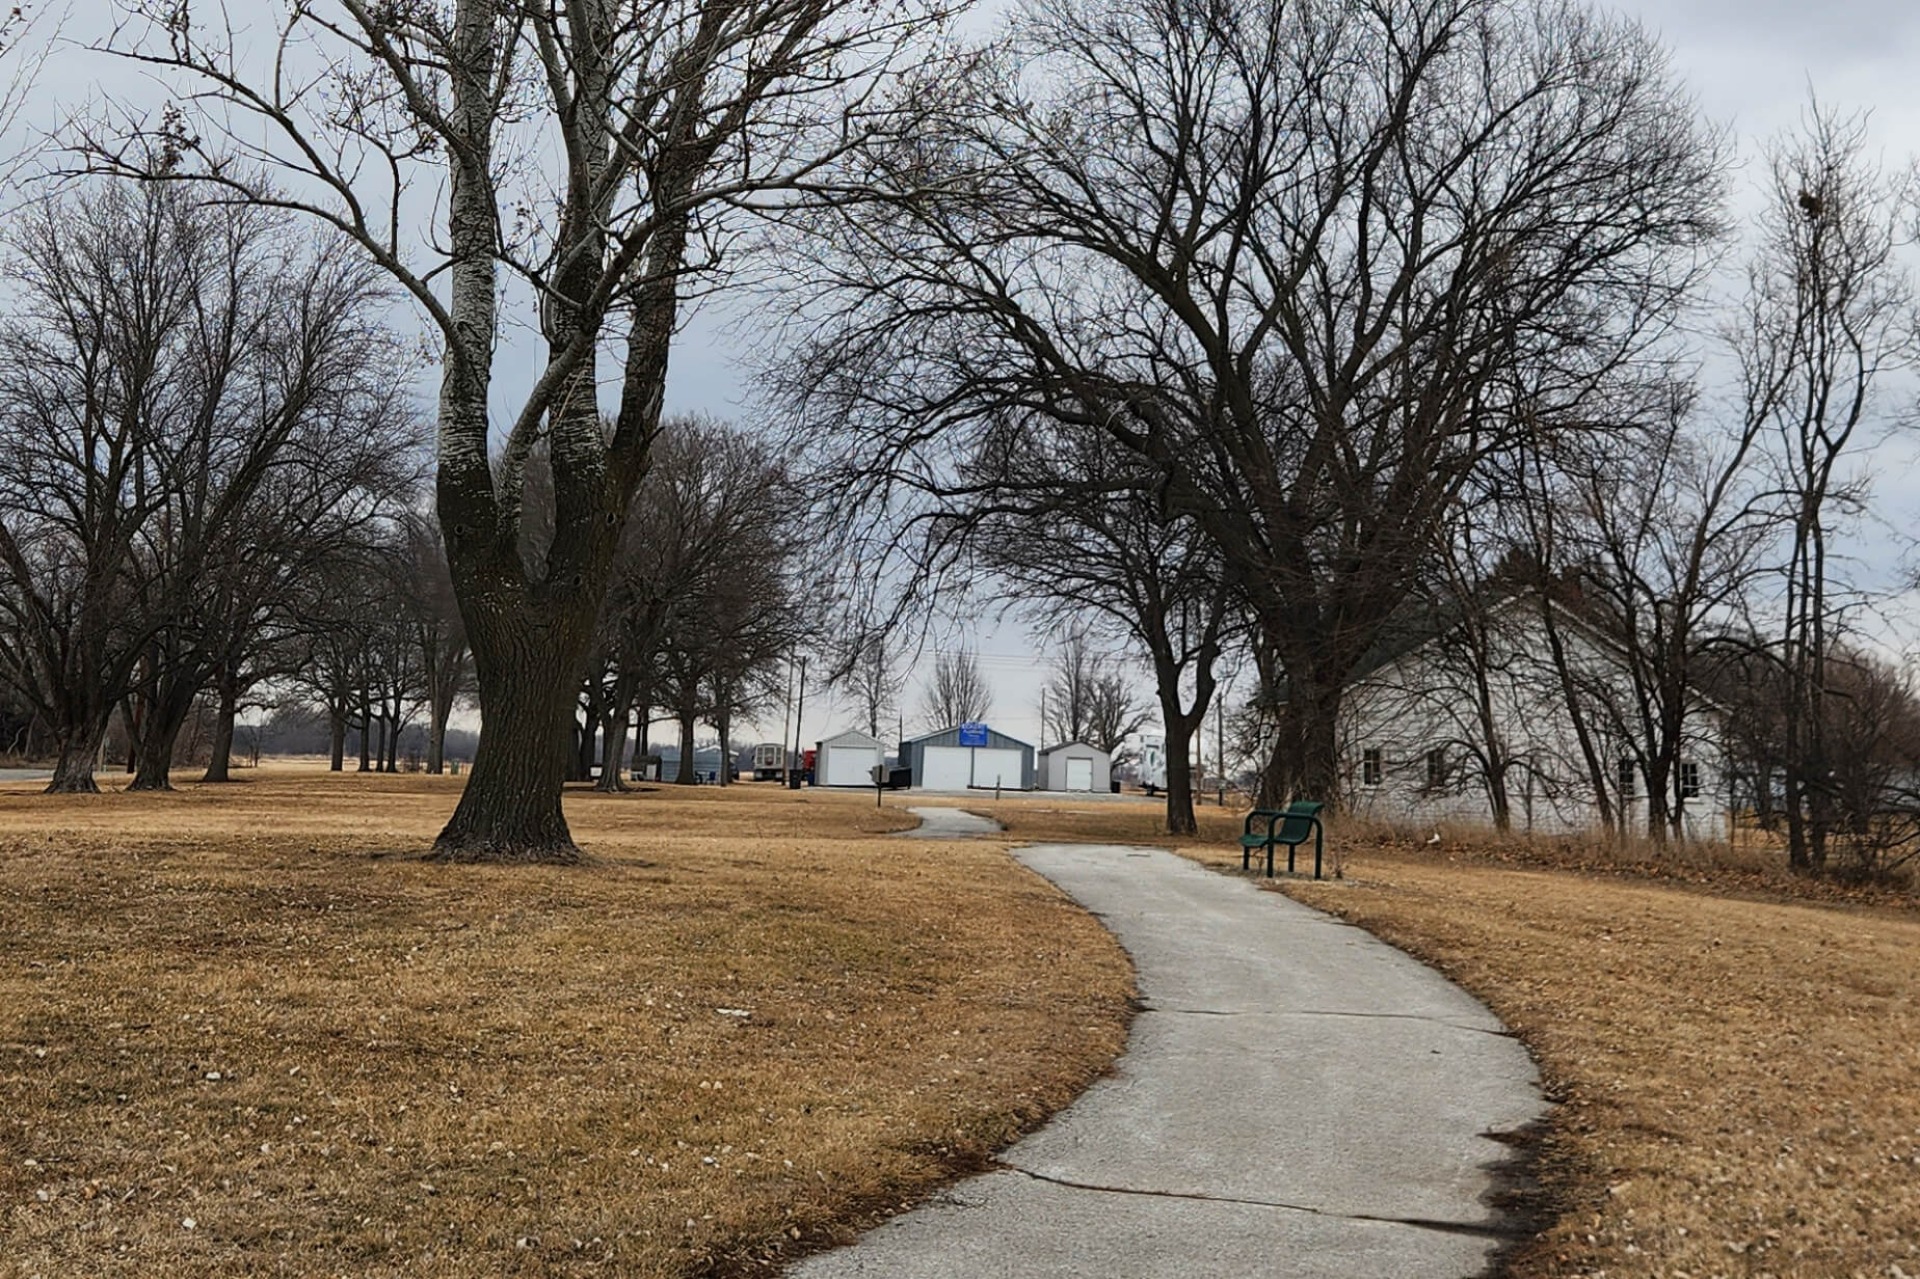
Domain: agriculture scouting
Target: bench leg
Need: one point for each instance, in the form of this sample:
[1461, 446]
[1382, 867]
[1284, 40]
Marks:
[1316, 852]
[1269, 859]
[1291, 850]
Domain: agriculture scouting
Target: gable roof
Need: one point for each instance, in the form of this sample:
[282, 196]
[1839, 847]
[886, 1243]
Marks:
[853, 737]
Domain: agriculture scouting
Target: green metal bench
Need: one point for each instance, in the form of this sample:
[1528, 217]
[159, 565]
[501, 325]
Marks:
[1292, 826]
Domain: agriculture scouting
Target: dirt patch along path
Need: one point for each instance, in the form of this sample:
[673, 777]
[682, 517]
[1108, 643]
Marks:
[1297, 1099]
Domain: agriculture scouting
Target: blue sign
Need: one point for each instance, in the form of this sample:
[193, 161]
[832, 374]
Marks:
[972, 734]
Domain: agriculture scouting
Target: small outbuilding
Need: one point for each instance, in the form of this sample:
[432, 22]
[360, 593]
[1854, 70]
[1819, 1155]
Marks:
[1076, 766]
[969, 757]
[848, 759]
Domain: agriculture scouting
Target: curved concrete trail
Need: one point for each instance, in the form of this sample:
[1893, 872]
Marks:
[950, 823]
[1296, 1099]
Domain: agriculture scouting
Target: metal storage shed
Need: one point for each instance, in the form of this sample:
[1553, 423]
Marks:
[1076, 766]
[847, 759]
[969, 757]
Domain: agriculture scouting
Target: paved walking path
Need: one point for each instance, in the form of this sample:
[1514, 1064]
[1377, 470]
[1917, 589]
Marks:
[951, 823]
[1296, 1099]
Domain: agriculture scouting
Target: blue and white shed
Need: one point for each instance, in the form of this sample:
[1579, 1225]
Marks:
[969, 757]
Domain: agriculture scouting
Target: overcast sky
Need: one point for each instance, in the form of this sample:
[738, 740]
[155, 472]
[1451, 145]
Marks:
[1751, 64]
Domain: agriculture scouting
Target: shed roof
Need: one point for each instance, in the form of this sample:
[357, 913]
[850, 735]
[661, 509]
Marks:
[853, 737]
[951, 737]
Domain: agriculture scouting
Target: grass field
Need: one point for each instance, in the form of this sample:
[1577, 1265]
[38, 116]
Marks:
[243, 1031]
[756, 1021]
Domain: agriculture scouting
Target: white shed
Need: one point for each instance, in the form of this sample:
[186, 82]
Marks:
[1076, 766]
[847, 759]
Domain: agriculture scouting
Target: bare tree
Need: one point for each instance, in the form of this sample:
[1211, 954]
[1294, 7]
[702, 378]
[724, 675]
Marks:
[1830, 317]
[1243, 245]
[1677, 527]
[957, 693]
[864, 669]
[581, 151]
[704, 602]
[1088, 698]
[1114, 714]
[446, 663]
[1074, 527]
[1068, 695]
[205, 403]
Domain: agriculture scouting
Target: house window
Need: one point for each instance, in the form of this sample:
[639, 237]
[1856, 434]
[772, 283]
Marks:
[1370, 766]
[1436, 767]
[1689, 779]
[1628, 771]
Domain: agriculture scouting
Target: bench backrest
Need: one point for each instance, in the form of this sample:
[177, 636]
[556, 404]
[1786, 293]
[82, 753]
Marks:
[1295, 822]
[1298, 823]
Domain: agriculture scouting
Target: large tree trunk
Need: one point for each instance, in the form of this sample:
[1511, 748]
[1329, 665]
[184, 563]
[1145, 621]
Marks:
[1305, 764]
[366, 733]
[166, 716]
[219, 765]
[337, 728]
[1179, 748]
[687, 776]
[1179, 751]
[79, 750]
[393, 737]
[586, 730]
[614, 734]
[723, 724]
[528, 670]
[439, 714]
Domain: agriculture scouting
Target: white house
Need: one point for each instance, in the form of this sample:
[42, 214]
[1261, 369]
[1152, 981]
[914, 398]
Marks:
[1075, 766]
[847, 759]
[1431, 734]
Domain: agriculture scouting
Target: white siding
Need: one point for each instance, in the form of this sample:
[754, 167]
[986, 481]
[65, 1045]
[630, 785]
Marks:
[950, 768]
[994, 767]
[1075, 766]
[1420, 714]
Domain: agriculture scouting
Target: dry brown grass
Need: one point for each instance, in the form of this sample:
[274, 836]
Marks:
[753, 1022]
[1738, 1076]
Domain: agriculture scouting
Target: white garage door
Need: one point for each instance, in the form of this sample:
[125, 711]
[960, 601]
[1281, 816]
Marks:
[850, 766]
[1080, 774]
[944, 767]
[996, 768]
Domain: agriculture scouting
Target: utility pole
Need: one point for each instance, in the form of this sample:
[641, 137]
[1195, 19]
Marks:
[786, 717]
[1043, 718]
[1220, 747]
[799, 710]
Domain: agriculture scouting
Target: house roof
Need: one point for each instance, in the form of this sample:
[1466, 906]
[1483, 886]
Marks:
[1067, 746]
[853, 737]
[1432, 626]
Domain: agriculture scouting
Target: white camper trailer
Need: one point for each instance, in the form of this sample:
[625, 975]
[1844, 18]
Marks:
[769, 762]
[1153, 764]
